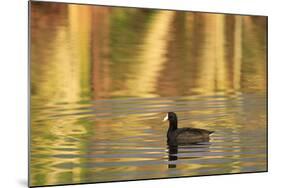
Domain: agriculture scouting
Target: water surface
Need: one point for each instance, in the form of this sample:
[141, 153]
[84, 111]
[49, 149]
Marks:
[103, 78]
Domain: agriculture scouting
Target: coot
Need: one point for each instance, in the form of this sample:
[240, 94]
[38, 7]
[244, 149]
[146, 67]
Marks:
[179, 136]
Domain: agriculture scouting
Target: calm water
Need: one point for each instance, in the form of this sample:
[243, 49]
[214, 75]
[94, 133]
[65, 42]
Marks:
[102, 80]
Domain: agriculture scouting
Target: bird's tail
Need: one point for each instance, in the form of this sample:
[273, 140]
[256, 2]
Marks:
[211, 132]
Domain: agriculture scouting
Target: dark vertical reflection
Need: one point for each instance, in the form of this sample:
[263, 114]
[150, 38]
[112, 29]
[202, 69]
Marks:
[100, 46]
[172, 153]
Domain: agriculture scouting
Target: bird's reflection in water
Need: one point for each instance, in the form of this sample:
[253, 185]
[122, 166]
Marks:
[173, 152]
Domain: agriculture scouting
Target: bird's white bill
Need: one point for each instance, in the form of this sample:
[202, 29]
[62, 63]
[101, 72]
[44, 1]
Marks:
[165, 118]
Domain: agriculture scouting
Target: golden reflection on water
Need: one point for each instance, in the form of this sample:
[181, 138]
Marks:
[102, 78]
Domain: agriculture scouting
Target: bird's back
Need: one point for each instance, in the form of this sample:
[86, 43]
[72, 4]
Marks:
[192, 135]
[193, 131]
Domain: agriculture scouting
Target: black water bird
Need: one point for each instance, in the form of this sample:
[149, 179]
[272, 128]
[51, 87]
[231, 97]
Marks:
[180, 136]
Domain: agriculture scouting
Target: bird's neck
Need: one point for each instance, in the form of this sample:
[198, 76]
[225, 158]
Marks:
[173, 125]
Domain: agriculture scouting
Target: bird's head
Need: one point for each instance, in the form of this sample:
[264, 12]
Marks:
[171, 116]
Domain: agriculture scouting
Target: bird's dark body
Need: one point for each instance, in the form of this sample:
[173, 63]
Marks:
[188, 136]
[179, 136]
